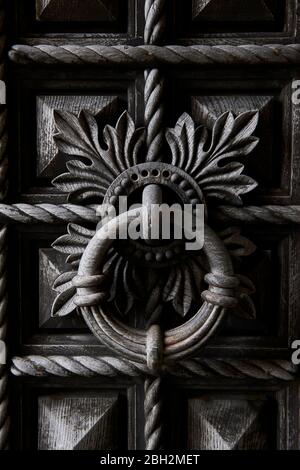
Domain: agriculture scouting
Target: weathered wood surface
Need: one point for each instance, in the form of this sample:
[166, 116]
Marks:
[242, 394]
[77, 423]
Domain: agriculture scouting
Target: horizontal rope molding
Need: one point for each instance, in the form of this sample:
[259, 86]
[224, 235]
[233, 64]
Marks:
[87, 366]
[47, 213]
[57, 214]
[278, 215]
[153, 56]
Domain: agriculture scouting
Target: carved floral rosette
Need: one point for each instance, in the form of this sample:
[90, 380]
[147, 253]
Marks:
[107, 280]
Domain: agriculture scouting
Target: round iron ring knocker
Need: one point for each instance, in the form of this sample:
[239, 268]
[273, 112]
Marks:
[152, 347]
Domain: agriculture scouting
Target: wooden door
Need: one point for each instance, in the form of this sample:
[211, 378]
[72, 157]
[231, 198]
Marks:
[149, 346]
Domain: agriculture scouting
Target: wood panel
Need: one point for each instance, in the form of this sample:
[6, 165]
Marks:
[33, 101]
[77, 423]
[233, 20]
[77, 10]
[274, 162]
[41, 21]
[234, 11]
[233, 424]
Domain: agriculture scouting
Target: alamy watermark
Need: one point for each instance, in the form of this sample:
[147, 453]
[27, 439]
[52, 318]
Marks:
[2, 92]
[296, 92]
[154, 222]
[296, 353]
[2, 353]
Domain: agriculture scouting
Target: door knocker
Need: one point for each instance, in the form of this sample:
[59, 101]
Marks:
[201, 170]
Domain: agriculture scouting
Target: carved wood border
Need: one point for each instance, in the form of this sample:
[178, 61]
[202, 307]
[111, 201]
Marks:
[4, 413]
[150, 55]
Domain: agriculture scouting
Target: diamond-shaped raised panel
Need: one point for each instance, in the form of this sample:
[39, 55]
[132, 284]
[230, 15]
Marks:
[77, 10]
[233, 424]
[77, 423]
[200, 18]
[46, 105]
[234, 10]
[262, 165]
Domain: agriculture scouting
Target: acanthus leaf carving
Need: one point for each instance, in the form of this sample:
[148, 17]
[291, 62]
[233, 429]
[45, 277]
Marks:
[102, 164]
[202, 155]
[102, 156]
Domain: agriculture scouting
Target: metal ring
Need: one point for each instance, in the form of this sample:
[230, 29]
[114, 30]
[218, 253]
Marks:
[177, 343]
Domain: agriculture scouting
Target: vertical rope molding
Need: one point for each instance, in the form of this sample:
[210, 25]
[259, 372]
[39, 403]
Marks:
[4, 413]
[155, 22]
[154, 82]
[153, 412]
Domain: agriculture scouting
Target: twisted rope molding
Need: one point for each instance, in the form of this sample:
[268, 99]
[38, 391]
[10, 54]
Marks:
[151, 56]
[57, 214]
[155, 134]
[279, 215]
[47, 213]
[154, 114]
[155, 21]
[153, 414]
[4, 410]
[88, 366]
[154, 82]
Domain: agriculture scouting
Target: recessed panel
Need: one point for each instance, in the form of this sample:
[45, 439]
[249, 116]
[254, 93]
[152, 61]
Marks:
[77, 10]
[77, 423]
[231, 423]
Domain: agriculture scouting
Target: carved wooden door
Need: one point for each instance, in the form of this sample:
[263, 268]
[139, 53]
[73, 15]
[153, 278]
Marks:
[131, 344]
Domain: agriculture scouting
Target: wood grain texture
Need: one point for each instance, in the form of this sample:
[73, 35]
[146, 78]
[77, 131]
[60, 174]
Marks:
[233, 424]
[77, 423]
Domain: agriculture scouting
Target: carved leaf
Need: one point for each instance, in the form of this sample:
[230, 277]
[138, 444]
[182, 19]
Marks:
[183, 285]
[124, 143]
[74, 243]
[122, 291]
[64, 302]
[203, 156]
[183, 142]
[64, 281]
[80, 137]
